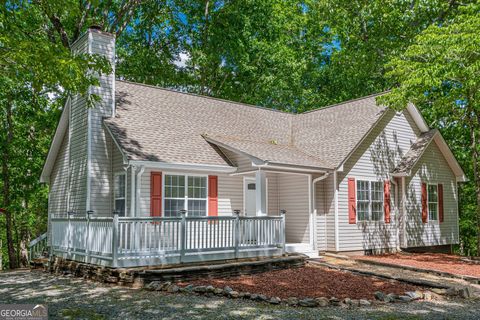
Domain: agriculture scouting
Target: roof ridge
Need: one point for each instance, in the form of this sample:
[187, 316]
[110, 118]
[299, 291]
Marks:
[206, 97]
[346, 102]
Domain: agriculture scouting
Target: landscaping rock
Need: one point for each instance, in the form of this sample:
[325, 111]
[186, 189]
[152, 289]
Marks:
[451, 291]
[154, 286]
[254, 297]
[246, 295]
[308, 302]
[200, 289]
[189, 288]
[364, 302]
[292, 301]
[227, 289]
[427, 296]
[218, 291]
[439, 291]
[262, 297]
[210, 289]
[334, 301]
[465, 292]
[165, 285]
[404, 299]
[173, 288]
[275, 300]
[233, 294]
[379, 295]
[322, 302]
[414, 295]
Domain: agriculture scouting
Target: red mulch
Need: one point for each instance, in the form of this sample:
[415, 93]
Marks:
[432, 261]
[309, 281]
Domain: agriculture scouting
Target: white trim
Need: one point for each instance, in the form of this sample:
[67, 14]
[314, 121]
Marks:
[113, 76]
[370, 202]
[63, 125]
[417, 117]
[185, 198]
[124, 157]
[314, 203]
[132, 191]
[335, 186]
[428, 204]
[139, 191]
[311, 219]
[116, 174]
[184, 166]
[404, 213]
[273, 165]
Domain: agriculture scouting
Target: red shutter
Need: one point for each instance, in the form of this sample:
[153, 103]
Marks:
[424, 203]
[155, 194]
[386, 200]
[440, 202]
[352, 201]
[212, 195]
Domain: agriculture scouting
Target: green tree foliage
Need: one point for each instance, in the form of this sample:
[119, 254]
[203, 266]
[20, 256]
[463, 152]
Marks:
[440, 72]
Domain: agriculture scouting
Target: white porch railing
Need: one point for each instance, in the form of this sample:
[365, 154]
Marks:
[130, 242]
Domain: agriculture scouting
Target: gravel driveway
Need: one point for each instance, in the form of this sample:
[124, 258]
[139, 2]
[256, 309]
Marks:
[73, 298]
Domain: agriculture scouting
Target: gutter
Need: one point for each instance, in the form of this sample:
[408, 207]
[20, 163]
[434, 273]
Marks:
[184, 166]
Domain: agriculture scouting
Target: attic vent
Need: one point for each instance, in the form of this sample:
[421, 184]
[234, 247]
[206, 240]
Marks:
[274, 142]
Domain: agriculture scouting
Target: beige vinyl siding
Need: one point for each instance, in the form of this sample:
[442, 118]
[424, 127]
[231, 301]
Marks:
[101, 143]
[243, 163]
[432, 168]
[230, 194]
[323, 203]
[118, 167]
[78, 155]
[293, 197]
[373, 160]
[272, 193]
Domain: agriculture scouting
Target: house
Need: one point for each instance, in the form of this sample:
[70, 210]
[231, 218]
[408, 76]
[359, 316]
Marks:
[352, 177]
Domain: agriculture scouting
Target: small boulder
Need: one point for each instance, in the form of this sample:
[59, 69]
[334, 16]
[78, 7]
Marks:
[233, 294]
[292, 301]
[254, 296]
[262, 297]
[379, 295]
[173, 288]
[364, 303]
[427, 296]
[322, 302]
[439, 291]
[218, 291]
[227, 289]
[465, 292]
[165, 285]
[246, 295]
[200, 289]
[275, 300]
[210, 289]
[334, 301]
[404, 299]
[154, 286]
[189, 288]
[308, 302]
[414, 295]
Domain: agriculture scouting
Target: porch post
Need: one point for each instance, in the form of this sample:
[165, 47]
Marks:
[261, 192]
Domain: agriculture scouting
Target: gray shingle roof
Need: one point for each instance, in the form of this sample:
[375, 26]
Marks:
[415, 152]
[156, 124]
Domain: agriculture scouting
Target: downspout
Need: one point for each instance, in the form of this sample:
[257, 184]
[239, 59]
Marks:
[336, 209]
[314, 206]
[139, 184]
[132, 191]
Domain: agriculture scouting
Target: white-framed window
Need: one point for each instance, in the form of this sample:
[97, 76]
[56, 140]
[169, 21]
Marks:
[119, 192]
[185, 192]
[369, 200]
[432, 200]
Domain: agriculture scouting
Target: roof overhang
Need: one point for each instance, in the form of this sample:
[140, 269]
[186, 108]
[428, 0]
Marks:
[183, 166]
[62, 128]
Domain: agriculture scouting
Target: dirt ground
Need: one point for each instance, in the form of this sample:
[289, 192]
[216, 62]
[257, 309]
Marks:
[435, 261]
[310, 281]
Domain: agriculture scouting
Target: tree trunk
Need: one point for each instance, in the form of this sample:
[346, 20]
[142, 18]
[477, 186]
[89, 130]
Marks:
[12, 258]
[476, 172]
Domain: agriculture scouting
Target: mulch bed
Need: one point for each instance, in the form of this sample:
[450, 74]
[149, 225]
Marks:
[309, 281]
[434, 261]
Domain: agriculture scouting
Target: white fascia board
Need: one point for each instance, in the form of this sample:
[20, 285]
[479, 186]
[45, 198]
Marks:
[450, 158]
[280, 166]
[184, 166]
[124, 156]
[417, 117]
[56, 143]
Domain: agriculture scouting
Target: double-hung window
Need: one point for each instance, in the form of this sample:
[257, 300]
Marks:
[432, 197]
[185, 192]
[119, 193]
[369, 200]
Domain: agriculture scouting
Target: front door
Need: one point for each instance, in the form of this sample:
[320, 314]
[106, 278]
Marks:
[250, 200]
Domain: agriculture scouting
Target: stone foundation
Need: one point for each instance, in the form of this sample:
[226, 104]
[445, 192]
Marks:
[137, 277]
